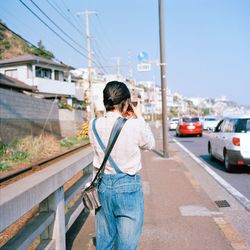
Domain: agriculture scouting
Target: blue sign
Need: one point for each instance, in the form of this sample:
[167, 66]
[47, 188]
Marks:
[143, 56]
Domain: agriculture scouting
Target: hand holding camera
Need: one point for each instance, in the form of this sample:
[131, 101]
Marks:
[134, 107]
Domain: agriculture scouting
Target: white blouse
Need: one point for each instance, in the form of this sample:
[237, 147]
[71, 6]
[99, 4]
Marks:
[135, 135]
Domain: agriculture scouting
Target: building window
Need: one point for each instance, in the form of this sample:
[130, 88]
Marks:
[11, 73]
[58, 75]
[43, 72]
[29, 71]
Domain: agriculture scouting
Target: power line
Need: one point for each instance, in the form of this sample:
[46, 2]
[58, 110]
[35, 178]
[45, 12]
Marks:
[109, 44]
[98, 59]
[68, 10]
[53, 30]
[57, 25]
[65, 18]
[99, 51]
[37, 16]
[28, 42]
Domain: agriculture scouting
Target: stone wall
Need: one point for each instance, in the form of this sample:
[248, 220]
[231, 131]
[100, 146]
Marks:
[22, 115]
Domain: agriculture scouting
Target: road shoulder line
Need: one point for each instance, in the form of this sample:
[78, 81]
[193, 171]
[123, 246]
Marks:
[230, 189]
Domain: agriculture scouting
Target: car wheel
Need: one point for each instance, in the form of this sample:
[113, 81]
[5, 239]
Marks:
[210, 152]
[228, 166]
[200, 135]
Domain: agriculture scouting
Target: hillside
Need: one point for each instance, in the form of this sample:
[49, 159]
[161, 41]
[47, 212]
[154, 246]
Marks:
[12, 45]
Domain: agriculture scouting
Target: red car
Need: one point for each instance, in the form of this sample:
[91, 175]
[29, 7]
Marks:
[189, 125]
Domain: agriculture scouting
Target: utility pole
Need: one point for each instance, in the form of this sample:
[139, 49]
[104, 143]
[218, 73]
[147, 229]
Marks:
[118, 63]
[163, 79]
[89, 62]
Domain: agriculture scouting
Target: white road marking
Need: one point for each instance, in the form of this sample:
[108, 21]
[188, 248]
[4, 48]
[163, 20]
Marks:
[193, 210]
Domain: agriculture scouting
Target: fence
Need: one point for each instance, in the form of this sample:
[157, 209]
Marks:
[45, 190]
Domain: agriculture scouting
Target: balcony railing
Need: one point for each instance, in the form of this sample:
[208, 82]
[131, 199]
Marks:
[45, 85]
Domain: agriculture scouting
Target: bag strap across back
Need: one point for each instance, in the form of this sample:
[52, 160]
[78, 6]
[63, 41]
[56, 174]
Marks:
[101, 144]
[113, 137]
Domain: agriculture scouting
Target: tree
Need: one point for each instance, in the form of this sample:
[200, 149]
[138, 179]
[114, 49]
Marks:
[42, 52]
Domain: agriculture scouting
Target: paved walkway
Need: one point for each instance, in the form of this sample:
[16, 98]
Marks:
[180, 212]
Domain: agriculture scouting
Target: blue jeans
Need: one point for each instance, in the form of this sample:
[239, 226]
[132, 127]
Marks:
[119, 221]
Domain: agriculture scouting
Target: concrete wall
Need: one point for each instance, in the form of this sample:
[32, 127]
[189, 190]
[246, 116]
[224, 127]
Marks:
[21, 72]
[22, 115]
[71, 121]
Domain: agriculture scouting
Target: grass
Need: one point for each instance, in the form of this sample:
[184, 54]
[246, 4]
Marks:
[4, 166]
[30, 149]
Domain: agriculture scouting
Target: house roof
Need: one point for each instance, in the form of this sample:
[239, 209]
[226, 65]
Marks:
[30, 59]
[10, 82]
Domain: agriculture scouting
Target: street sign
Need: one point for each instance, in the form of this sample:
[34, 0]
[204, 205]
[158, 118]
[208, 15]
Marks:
[143, 67]
[143, 56]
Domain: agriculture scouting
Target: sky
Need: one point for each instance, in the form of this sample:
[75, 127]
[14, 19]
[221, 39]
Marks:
[207, 42]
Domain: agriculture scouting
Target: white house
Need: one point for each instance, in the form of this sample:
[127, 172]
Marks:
[48, 76]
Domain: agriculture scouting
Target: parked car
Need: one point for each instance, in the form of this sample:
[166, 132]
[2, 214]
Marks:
[230, 142]
[210, 123]
[173, 123]
[189, 125]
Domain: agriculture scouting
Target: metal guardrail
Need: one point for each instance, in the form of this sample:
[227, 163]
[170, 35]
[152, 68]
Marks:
[39, 163]
[44, 189]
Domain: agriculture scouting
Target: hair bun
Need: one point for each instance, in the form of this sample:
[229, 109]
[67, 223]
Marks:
[110, 99]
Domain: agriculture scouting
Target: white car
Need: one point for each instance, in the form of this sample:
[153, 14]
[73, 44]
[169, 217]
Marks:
[173, 123]
[210, 123]
[230, 142]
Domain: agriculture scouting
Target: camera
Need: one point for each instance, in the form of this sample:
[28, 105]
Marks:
[134, 97]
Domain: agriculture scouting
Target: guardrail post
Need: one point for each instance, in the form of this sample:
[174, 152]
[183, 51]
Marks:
[56, 231]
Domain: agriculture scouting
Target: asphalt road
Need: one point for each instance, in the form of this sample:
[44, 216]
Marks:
[240, 179]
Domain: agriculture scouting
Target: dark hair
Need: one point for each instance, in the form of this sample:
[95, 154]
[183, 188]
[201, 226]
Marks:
[115, 94]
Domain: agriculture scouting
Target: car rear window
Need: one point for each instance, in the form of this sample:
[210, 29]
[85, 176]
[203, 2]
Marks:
[243, 126]
[190, 119]
[210, 119]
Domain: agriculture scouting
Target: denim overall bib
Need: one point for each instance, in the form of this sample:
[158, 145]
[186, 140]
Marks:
[119, 220]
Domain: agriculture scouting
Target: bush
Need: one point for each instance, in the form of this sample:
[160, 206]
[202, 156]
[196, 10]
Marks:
[19, 156]
[3, 148]
[4, 166]
[6, 44]
[66, 143]
[70, 142]
[65, 106]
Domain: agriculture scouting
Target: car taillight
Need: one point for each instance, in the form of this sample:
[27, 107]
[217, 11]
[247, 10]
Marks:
[240, 162]
[236, 141]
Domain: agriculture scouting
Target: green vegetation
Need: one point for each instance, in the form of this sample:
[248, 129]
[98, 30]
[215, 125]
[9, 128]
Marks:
[205, 111]
[42, 52]
[29, 149]
[6, 44]
[12, 45]
[65, 106]
[4, 166]
[72, 142]
[11, 154]
[174, 111]
[19, 156]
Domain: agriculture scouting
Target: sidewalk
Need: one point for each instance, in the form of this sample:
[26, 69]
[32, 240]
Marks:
[180, 212]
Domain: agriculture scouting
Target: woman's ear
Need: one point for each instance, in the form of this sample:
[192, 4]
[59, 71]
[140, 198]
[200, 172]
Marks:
[125, 106]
